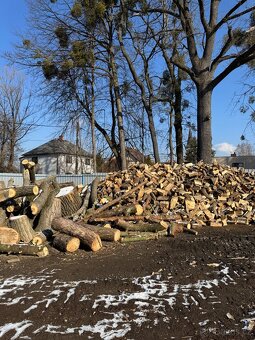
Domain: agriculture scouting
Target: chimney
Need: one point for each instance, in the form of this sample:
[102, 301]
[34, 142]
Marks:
[61, 138]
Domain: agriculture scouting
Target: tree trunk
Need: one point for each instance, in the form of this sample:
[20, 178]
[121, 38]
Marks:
[178, 120]
[119, 112]
[106, 234]
[24, 249]
[93, 135]
[204, 128]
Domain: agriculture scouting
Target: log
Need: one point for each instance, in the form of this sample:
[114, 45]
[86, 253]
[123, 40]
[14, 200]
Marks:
[2, 185]
[106, 234]
[5, 194]
[138, 238]
[9, 235]
[71, 201]
[93, 192]
[128, 226]
[66, 243]
[38, 203]
[50, 210]
[86, 236]
[131, 209]
[24, 249]
[3, 217]
[83, 209]
[26, 191]
[42, 236]
[23, 226]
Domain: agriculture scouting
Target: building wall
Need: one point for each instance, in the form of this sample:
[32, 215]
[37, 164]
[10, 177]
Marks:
[246, 162]
[61, 164]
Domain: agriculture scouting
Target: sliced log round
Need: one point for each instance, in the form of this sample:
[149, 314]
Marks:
[9, 235]
[66, 243]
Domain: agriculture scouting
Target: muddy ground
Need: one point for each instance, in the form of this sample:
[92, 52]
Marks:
[189, 287]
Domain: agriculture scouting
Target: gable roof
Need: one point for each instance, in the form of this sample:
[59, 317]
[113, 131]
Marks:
[135, 155]
[56, 147]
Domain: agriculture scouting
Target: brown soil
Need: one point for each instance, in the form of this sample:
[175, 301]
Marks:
[190, 287]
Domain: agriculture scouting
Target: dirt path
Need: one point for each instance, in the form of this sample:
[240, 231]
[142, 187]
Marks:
[184, 288]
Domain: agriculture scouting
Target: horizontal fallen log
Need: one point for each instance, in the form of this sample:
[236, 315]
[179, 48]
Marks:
[138, 238]
[24, 249]
[128, 226]
[66, 243]
[106, 234]
[86, 236]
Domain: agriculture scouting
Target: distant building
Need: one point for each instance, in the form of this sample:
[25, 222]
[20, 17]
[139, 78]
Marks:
[59, 156]
[245, 162]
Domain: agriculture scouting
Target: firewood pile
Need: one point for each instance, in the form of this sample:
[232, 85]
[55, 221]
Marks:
[144, 202]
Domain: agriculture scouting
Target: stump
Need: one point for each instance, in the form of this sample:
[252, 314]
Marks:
[23, 226]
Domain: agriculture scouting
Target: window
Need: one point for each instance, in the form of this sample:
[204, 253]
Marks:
[35, 160]
[69, 159]
[87, 161]
[238, 165]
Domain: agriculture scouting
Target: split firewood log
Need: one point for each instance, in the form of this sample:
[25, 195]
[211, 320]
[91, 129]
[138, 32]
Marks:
[23, 226]
[86, 236]
[66, 243]
[71, 201]
[24, 249]
[106, 234]
[9, 235]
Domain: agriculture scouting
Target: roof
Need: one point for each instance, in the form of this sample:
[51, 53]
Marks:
[135, 155]
[56, 147]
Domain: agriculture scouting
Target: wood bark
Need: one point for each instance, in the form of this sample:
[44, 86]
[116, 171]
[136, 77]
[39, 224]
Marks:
[26, 177]
[106, 234]
[23, 226]
[93, 192]
[9, 235]
[83, 209]
[39, 238]
[38, 203]
[66, 243]
[3, 217]
[129, 226]
[24, 249]
[86, 236]
[7, 193]
[70, 202]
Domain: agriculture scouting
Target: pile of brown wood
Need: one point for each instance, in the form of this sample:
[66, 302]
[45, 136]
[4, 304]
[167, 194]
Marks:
[45, 212]
[144, 202]
[191, 195]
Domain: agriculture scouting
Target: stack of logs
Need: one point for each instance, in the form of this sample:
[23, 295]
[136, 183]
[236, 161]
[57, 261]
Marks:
[143, 202]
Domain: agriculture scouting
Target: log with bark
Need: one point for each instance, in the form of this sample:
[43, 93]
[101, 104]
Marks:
[128, 226]
[106, 234]
[86, 236]
[71, 201]
[66, 243]
[24, 249]
[23, 226]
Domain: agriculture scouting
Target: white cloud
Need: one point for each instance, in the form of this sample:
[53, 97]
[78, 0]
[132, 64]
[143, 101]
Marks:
[224, 149]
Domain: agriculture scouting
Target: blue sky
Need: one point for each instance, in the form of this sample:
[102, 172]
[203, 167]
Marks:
[228, 123]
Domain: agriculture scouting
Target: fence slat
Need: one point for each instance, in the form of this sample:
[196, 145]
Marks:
[77, 179]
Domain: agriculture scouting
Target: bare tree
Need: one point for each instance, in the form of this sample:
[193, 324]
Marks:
[16, 114]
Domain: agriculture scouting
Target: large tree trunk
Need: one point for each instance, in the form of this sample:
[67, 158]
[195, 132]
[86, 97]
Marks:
[178, 120]
[153, 134]
[204, 124]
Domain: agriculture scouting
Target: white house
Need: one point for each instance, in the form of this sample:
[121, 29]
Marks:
[59, 156]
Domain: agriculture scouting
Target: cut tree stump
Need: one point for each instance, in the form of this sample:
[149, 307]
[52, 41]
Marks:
[86, 236]
[66, 243]
[23, 226]
[9, 235]
[24, 249]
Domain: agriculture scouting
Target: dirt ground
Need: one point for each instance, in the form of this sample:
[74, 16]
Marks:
[189, 287]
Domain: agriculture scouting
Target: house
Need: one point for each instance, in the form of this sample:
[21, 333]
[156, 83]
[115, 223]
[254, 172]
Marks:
[246, 162]
[132, 156]
[60, 156]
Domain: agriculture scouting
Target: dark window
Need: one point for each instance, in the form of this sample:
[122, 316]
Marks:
[87, 161]
[69, 159]
[35, 160]
[238, 165]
